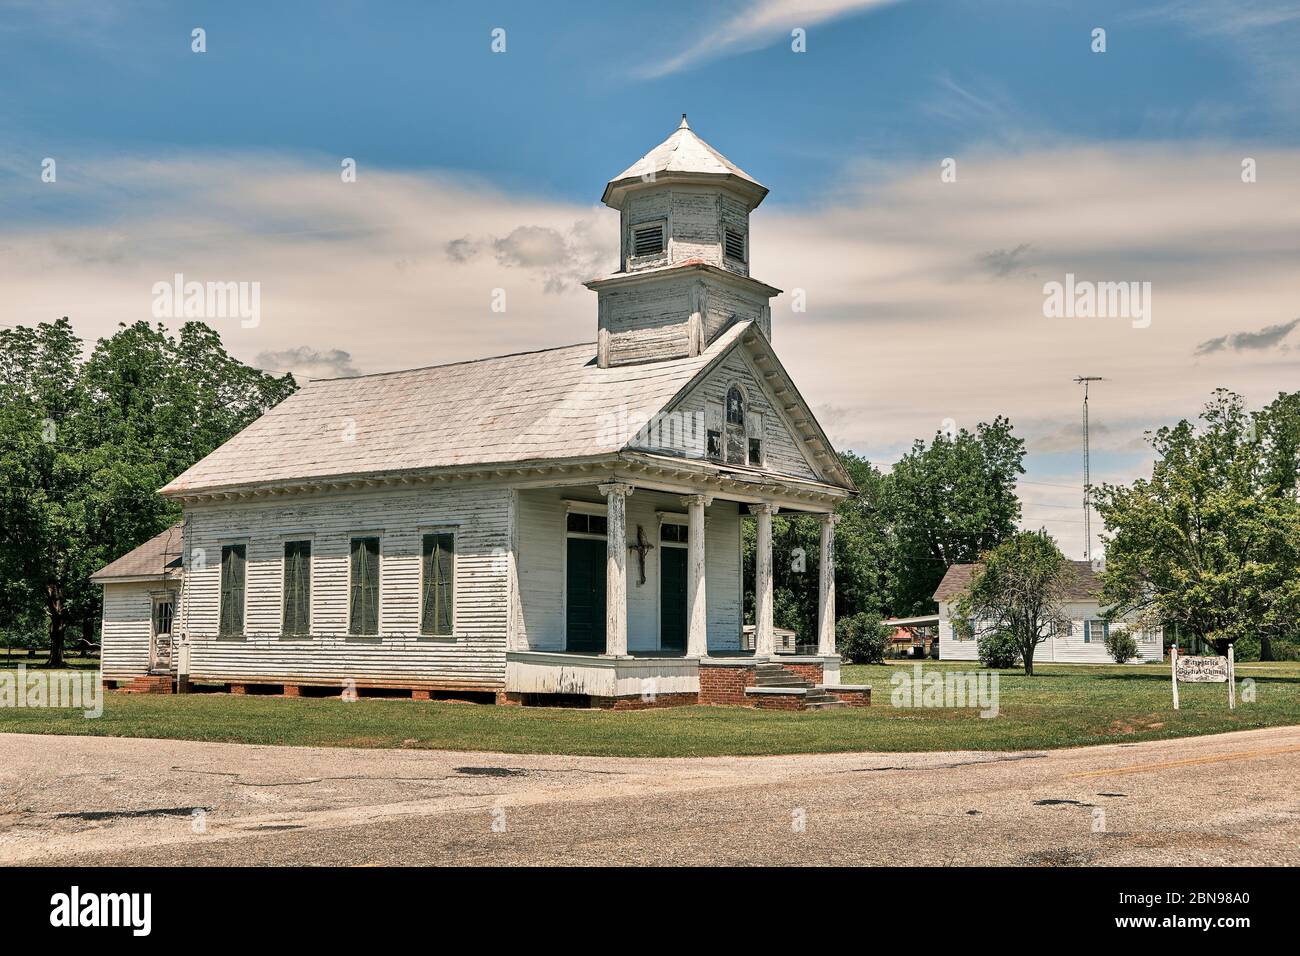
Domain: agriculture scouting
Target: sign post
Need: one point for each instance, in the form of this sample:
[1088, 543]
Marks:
[1232, 680]
[1173, 670]
[1203, 670]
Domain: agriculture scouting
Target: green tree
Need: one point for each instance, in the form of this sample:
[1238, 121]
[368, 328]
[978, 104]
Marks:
[863, 557]
[1019, 590]
[948, 503]
[88, 441]
[1211, 542]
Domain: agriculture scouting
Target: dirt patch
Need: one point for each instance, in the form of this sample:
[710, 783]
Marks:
[1060, 856]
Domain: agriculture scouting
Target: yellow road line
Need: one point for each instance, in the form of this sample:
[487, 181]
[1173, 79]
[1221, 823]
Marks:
[1190, 762]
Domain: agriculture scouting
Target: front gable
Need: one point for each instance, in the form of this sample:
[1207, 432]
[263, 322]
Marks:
[792, 443]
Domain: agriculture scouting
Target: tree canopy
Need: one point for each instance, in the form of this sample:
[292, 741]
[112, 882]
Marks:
[1019, 590]
[88, 441]
[943, 503]
[1211, 542]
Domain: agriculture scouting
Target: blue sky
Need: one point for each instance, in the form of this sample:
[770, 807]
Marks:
[570, 100]
[925, 299]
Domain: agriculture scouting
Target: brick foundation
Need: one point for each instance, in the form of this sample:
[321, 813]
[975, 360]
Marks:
[725, 684]
[812, 673]
[854, 697]
[292, 690]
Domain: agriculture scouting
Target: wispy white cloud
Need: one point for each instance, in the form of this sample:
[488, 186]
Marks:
[924, 299]
[759, 24]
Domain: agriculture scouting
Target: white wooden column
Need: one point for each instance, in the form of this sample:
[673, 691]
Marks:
[697, 610]
[616, 493]
[764, 639]
[826, 591]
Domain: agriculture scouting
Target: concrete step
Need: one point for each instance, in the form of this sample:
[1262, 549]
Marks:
[833, 704]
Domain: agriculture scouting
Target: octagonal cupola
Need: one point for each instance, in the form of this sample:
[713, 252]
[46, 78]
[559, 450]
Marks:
[683, 273]
[684, 200]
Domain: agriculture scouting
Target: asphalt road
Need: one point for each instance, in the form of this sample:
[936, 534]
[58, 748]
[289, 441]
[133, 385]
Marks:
[1228, 799]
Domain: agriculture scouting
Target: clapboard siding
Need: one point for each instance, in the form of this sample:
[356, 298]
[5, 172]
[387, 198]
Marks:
[473, 656]
[1058, 649]
[706, 401]
[542, 515]
[128, 610]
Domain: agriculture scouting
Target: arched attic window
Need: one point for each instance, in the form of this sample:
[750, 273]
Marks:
[737, 453]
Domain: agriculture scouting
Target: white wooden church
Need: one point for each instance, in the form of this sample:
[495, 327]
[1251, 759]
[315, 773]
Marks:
[562, 525]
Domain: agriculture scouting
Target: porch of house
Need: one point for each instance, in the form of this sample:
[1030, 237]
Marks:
[650, 605]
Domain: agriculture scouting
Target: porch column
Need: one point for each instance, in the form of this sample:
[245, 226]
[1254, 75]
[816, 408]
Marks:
[764, 639]
[826, 592]
[697, 618]
[616, 493]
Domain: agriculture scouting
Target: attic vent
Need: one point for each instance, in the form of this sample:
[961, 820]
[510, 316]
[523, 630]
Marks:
[735, 243]
[648, 240]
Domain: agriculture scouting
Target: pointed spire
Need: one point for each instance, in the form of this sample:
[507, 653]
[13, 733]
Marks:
[683, 155]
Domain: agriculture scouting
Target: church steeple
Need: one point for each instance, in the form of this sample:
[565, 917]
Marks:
[684, 253]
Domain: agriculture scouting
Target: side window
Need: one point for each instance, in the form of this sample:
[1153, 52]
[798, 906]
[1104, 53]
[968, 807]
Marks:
[233, 567]
[438, 583]
[363, 615]
[297, 588]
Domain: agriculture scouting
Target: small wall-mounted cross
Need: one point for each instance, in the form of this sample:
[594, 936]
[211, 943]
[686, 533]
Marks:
[642, 548]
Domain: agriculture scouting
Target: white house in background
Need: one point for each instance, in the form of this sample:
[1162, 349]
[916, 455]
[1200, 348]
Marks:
[1082, 641]
[562, 522]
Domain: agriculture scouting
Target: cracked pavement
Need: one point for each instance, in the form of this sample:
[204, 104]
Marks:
[1226, 799]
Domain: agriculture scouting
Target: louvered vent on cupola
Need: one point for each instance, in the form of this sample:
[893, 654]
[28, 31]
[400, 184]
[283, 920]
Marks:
[735, 245]
[648, 240]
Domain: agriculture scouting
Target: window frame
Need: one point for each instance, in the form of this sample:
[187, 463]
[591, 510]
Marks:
[429, 531]
[743, 234]
[231, 544]
[731, 428]
[634, 228]
[379, 583]
[285, 543]
[1087, 629]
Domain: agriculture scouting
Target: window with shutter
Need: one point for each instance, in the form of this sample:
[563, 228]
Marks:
[438, 583]
[648, 240]
[297, 588]
[363, 617]
[231, 615]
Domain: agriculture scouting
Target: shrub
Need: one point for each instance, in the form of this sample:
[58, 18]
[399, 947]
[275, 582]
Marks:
[861, 638]
[998, 649]
[1121, 646]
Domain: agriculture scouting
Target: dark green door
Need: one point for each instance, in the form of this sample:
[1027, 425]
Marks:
[585, 615]
[672, 599]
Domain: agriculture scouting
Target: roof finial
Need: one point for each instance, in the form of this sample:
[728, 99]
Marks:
[685, 125]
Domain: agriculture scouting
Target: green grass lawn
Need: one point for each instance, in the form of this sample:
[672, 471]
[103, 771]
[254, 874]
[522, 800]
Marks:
[1061, 706]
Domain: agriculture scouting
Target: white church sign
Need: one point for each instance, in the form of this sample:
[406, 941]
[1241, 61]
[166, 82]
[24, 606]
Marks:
[1203, 670]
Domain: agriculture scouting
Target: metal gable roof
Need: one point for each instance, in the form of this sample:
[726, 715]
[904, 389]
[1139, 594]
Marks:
[159, 557]
[551, 404]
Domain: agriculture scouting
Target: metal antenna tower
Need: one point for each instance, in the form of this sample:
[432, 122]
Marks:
[1087, 477]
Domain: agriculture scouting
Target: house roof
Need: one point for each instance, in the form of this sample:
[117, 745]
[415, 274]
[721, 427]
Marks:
[159, 557]
[534, 406]
[1086, 585]
[683, 155]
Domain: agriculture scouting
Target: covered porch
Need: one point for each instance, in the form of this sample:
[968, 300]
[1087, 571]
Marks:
[643, 603]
